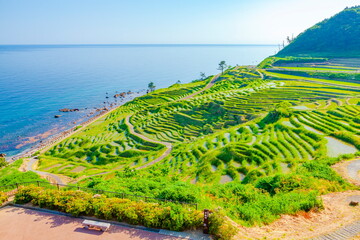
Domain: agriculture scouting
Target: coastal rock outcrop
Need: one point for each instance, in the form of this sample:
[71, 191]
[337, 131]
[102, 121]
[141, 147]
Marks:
[122, 95]
[69, 110]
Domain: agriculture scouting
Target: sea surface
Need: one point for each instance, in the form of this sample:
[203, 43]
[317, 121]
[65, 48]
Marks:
[38, 80]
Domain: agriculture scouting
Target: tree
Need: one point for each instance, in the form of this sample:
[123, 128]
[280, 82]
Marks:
[288, 39]
[151, 86]
[202, 75]
[222, 66]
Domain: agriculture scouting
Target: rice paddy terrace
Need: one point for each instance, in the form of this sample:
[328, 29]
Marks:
[223, 132]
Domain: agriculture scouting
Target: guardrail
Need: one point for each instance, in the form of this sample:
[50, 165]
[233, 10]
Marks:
[10, 187]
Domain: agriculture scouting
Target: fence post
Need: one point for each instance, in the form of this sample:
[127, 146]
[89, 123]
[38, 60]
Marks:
[206, 221]
[78, 188]
[17, 186]
[58, 187]
[38, 183]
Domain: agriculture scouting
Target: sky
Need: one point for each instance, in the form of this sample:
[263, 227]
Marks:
[160, 21]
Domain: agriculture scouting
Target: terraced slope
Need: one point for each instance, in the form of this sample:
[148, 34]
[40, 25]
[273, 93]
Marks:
[239, 101]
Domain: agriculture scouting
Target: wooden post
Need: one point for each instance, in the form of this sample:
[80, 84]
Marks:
[206, 221]
[58, 187]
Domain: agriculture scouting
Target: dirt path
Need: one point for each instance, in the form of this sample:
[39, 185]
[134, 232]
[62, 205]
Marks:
[349, 170]
[209, 85]
[51, 177]
[260, 73]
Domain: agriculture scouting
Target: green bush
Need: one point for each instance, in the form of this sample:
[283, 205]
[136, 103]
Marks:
[220, 226]
[283, 183]
[266, 209]
[3, 198]
[169, 216]
[180, 192]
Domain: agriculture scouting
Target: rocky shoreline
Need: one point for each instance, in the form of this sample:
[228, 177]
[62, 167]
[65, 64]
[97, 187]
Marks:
[48, 142]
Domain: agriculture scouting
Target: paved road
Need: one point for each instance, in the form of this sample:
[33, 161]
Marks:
[30, 167]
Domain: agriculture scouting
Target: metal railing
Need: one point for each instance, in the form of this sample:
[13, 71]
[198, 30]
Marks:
[58, 186]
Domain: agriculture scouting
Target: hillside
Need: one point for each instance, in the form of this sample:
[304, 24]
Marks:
[337, 36]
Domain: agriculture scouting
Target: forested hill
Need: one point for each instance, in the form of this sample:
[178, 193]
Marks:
[338, 36]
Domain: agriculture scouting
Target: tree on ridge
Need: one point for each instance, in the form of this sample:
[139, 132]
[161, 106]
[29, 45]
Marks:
[222, 66]
[151, 86]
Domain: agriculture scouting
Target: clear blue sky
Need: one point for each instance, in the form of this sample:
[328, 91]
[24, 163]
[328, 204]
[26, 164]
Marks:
[160, 21]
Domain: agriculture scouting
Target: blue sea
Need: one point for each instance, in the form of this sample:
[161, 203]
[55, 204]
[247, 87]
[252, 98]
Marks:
[38, 80]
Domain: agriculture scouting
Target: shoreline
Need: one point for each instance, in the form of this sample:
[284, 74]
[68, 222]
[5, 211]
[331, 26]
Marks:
[50, 141]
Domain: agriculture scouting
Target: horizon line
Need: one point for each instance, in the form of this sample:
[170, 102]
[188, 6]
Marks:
[145, 44]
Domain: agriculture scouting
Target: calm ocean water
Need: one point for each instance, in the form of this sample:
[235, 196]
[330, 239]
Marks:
[37, 81]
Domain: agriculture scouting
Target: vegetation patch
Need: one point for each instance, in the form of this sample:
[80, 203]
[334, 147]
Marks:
[3, 198]
[168, 216]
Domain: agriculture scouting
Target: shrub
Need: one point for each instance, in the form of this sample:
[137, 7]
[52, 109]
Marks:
[169, 216]
[220, 226]
[3, 198]
[26, 194]
[283, 183]
[266, 209]
[180, 192]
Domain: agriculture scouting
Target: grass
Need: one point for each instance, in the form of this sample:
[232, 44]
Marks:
[325, 69]
[11, 175]
[293, 77]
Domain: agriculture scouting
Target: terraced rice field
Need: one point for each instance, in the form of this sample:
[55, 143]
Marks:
[219, 135]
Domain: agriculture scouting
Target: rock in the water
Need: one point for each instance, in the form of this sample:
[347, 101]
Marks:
[69, 110]
[57, 116]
